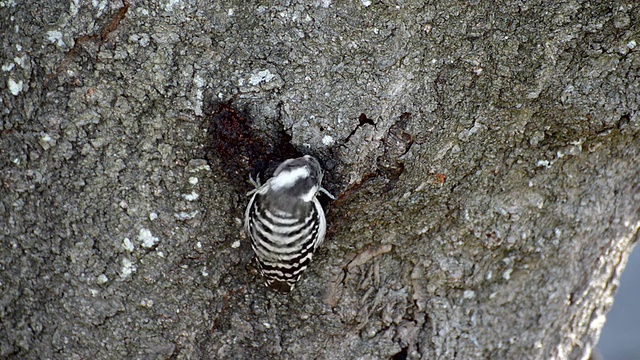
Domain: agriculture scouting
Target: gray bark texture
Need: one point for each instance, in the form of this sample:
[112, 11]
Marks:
[485, 158]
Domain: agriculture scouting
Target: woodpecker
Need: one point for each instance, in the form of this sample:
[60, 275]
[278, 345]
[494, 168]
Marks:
[285, 221]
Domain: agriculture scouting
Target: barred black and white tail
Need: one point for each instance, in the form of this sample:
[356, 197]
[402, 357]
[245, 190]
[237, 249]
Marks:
[285, 222]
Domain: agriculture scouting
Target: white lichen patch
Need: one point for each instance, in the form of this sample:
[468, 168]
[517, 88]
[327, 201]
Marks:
[235, 244]
[146, 238]
[127, 244]
[20, 60]
[141, 38]
[102, 279]
[261, 76]
[170, 4]
[328, 140]
[193, 180]
[183, 215]
[8, 3]
[469, 294]
[142, 11]
[200, 83]
[199, 167]
[8, 67]
[544, 163]
[46, 142]
[153, 216]
[127, 268]
[99, 4]
[55, 36]
[366, 3]
[15, 87]
[507, 274]
[191, 197]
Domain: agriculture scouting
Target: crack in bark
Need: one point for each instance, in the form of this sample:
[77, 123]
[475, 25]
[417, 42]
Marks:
[101, 39]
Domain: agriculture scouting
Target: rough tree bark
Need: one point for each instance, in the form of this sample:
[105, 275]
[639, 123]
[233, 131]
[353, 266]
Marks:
[486, 159]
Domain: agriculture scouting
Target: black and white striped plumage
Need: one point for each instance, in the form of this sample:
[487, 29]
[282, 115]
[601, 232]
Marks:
[285, 221]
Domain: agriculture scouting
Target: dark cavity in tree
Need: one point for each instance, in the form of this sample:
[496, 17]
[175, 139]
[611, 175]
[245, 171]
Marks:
[243, 150]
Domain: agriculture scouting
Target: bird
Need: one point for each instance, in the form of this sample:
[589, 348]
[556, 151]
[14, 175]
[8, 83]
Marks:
[285, 221]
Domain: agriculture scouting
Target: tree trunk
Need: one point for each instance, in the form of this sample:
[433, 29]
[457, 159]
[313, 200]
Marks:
[485, 159]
